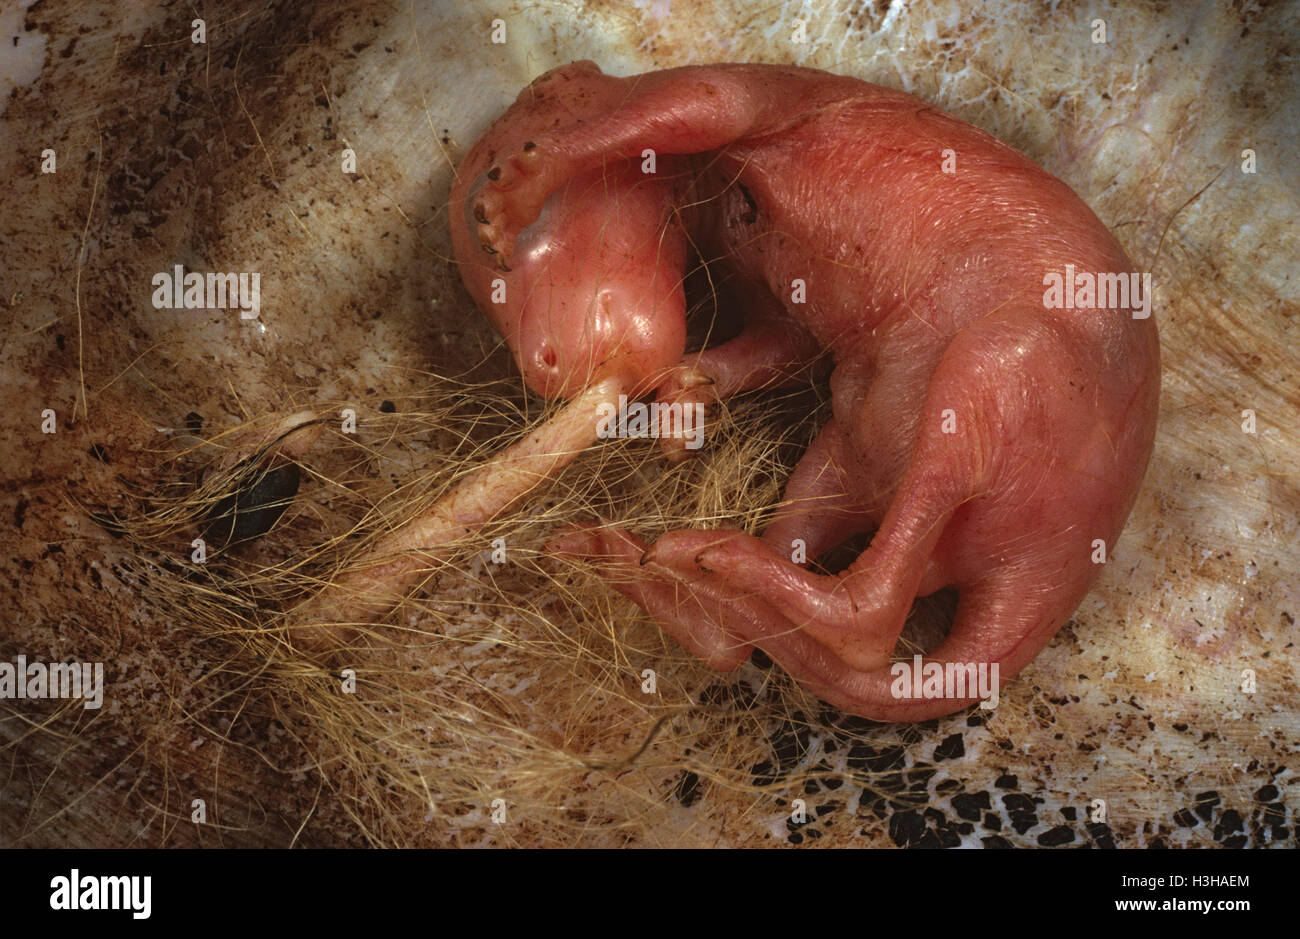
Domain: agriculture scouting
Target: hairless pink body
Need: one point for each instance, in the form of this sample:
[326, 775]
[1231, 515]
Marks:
[988, 440]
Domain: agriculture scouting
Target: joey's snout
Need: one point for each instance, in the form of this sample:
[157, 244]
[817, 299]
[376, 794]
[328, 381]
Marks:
[594, 285]
[626, 331]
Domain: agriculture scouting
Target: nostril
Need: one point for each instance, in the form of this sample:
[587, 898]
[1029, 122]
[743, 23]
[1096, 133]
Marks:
[545, 359]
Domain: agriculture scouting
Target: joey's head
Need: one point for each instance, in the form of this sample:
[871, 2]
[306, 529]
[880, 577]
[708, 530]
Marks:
[594, 286]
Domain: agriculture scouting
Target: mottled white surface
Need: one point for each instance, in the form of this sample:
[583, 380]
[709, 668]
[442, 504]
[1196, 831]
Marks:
[226, 157]
[22, 53]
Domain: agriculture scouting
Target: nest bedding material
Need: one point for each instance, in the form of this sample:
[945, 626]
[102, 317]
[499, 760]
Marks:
[523, 682]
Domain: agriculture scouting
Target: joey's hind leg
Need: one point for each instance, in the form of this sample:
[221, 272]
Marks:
[817, 509]
[856, 615]
[693, 617]
[710, 618]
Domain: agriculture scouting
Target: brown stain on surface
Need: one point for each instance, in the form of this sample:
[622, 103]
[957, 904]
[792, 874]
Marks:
[226, 157]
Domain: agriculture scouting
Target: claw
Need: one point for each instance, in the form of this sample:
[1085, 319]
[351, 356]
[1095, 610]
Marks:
[691, 378]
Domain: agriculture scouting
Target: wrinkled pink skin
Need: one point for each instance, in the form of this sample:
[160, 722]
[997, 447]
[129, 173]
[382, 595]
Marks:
[927, 290]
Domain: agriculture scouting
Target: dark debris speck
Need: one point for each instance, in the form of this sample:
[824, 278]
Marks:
[1023, 821]
[790, 742]
[906, 828]
[687, 789]
[918, 777]
[1205, 803]
[1101, 835]
[252, 510]
[970, 805]
[1018, 802]
[1229, 822]
[1055, 837]
[865, 756]
[762, 773]
[951, 748]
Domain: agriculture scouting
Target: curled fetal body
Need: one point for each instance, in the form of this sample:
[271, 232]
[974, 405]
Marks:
[991, 439]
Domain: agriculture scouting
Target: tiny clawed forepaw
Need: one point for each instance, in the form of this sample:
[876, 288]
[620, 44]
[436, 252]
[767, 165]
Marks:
[505, 204]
